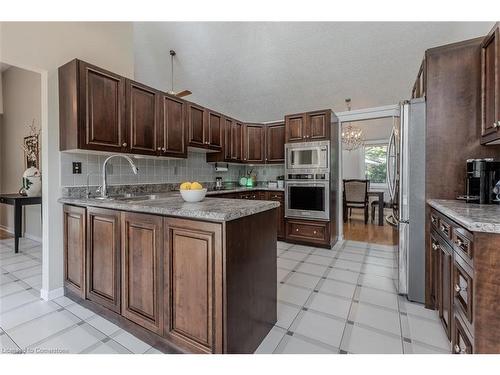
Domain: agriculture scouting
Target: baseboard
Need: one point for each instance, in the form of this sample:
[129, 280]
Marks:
[48, 295]
[24, 235]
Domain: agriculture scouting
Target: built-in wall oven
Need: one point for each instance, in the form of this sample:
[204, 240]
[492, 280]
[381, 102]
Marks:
[307, 195]
[307, 155]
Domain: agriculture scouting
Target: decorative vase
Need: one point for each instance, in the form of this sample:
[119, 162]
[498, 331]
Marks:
[32, 183]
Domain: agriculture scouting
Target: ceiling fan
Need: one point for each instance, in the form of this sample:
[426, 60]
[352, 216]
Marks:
[172, 92]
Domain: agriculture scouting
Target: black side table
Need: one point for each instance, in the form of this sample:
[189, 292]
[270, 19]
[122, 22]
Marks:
[18, 201]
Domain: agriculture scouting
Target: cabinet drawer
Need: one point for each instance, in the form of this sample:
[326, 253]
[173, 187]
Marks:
[276, 196]
[463, 243]
[461, 339]
[303, 230]
[434, 220]
[445, 228]
[463, 287]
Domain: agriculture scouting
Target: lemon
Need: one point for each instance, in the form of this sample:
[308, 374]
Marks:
[186, 186]
[196, 186]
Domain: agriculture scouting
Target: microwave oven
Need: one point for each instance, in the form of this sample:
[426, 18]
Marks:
[307, 155]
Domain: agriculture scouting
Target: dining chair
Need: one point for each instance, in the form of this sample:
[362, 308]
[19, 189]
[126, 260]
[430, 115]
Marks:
[356, 196]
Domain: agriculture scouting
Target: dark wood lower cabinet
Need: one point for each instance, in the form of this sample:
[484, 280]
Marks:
[103, 257]
[142, 257]
[194, 270]
[465, 267]
[74, 249]
[308, 232]
[445, 292]
[180, 285]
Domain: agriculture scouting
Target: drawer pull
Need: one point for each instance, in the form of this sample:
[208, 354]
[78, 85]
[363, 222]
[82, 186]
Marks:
[315, 232]
[444, 229]
[459, 350]
[435, 246]
[433, 220]
[459, 242]
[296, 230]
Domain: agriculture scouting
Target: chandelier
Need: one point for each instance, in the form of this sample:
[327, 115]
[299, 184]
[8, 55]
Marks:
[352, 136]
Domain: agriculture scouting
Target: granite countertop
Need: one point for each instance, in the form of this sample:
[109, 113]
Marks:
[171, 204]
[474, 217]
[242, 189]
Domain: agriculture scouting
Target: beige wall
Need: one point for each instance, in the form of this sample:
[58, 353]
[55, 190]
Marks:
[21, 105]
[44, 46]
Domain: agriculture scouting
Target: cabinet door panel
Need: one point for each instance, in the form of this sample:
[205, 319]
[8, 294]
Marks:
[215, 130]
[103, 257]
[237, 141]
[194, 263]
[279, 197]
[275, 143]
[173, 126]
[295, 128]
[103, 100]
[445, 288]
[228, 138]
[142, 256]
[254, 143]
[143, 124]
[318, 126]
[490, 85]
[74, 249]
[196, 121]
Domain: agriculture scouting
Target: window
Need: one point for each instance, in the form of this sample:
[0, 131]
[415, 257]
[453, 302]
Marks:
[376, 163]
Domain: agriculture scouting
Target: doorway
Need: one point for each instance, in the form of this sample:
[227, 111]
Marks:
[20, 154]
[364, 179]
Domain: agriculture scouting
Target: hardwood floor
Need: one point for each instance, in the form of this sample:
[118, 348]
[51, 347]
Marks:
[4, 235]
[356, 230]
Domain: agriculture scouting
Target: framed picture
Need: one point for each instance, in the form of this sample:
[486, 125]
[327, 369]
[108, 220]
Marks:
[31, 151]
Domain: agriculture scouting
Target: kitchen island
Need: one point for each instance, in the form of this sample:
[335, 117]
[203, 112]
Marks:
[184, 277]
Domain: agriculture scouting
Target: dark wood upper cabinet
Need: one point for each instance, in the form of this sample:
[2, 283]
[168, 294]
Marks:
[143, 118]
[193, 286]
[173, 127]
[237, 141]
[310, 126]
[91, 108]
[103, 257]
[275, 143]
[214, 134]
[142, 281]
[254, 143]
[419, 87]
[205, 128]
[102, 100]
[318, 125]
[295, 127]
[74, 249]
[490, 87]
[196, 125]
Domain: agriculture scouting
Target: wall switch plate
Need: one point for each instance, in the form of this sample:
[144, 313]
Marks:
[77, 167]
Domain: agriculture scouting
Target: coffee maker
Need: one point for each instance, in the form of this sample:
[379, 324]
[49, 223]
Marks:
[481, 179]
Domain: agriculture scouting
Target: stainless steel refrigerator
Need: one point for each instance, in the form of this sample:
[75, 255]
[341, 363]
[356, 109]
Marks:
[406, 180]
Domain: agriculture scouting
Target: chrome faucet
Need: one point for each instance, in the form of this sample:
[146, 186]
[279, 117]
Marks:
[104, 187]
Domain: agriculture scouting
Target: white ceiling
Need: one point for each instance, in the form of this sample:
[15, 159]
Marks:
[260, 71]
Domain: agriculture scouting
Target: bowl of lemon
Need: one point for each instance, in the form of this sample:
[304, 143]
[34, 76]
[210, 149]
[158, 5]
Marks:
[192, 191]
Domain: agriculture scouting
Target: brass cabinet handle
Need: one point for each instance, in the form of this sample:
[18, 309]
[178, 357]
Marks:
[163, 149]
[124, 144]
[314, 232]
[459, 350]
[296, 230]
[435, 246]
[159, 148]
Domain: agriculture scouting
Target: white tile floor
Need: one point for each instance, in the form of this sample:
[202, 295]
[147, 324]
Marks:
[329, 301]
[344, 301]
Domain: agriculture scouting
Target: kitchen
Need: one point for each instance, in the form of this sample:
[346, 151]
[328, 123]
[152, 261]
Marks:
[262, 257]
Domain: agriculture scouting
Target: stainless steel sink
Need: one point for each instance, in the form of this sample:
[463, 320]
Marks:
[129, 197]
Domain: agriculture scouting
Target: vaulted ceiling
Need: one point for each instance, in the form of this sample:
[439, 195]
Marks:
[259, 71]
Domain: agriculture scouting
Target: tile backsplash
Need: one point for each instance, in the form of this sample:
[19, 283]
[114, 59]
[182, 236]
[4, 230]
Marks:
[151, 170]
[155, 170]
